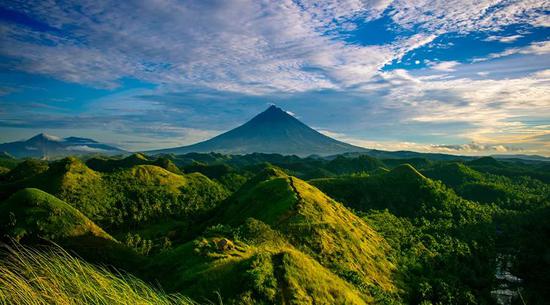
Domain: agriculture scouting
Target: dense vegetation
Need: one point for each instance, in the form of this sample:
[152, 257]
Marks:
[264, 229]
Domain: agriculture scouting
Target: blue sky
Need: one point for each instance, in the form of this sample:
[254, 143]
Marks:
[461, 77]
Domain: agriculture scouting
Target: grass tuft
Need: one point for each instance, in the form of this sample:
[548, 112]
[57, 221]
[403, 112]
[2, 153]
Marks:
[52, 276]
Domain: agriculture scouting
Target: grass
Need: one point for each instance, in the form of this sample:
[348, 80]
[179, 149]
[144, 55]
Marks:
[35, 213]
[339, 239]
[52, 276]
[104, 164]
[266, 201]
[265, 270]
[317, 225]
[403, 191]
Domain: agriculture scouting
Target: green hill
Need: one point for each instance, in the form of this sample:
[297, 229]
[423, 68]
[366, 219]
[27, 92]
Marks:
[7, 160]
[403, 191]
[342, 165]
[72, 181]
[32, 213]
[26, 169]
[68, 179]
[516, 193]
[34, 216]
[126, 196]
[453, 174]
[107, 165]
[3, 172]
[315, 224]
[146, 193]
[265, 269]
[223, 173]
[485, 161]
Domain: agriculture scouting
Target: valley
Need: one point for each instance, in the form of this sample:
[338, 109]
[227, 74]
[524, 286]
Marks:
[273, 229]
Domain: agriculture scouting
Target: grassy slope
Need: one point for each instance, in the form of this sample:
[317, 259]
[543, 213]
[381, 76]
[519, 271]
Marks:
[263, 272]
[103, 164]
[152, 185]
[32, 212]
[316, 224]
[8, 161]
[27, 169]
[100, 195]
[78, 185]
[403, 191]
[517, 192]
[29, 276]
[68, 179]
[33, 216]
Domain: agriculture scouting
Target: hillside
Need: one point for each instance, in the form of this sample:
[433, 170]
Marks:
[489, 188]
[257, 272]
[272, 131]
[111, 164]
[148, 193]
[403, 191]
[313, 222]
[32, 213]
[121, 196]
[70, 180]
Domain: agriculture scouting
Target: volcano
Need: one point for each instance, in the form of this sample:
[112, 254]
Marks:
[272, 131]
[49, 146]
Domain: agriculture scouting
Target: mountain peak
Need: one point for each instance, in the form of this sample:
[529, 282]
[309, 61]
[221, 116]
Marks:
[274, 108]
[273, 113]
[45, 137]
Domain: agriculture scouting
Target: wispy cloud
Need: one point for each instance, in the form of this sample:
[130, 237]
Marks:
[504, 39]
[536, 48]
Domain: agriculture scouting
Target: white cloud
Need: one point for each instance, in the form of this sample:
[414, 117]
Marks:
[535, 48]
[446, 66]
[493, 111]
[246, 46]
[504, 39]
[86, 148]
[463, 16]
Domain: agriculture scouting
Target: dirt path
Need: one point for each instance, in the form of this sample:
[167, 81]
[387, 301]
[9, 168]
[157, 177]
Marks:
[278, 269]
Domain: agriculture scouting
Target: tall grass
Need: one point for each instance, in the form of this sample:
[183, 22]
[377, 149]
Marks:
[52, 276]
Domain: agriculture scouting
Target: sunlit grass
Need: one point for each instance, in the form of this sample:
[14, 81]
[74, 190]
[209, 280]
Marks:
[52, 276]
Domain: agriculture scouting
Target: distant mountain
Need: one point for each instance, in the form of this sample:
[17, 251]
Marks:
[48, 146]
[272, 131]
[522, 157]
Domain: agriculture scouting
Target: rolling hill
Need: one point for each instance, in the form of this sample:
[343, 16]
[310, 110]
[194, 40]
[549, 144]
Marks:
[32, 213]
[270, 239]
[403, 191]
[314, 223]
